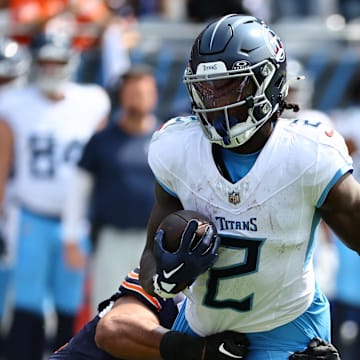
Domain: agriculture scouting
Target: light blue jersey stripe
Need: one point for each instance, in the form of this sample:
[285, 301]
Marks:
[334, 180]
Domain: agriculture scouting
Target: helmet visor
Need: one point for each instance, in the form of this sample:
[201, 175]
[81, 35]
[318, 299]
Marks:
[224, 92]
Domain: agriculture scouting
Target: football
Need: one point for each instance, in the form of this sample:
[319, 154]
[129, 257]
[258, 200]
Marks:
[174, 225]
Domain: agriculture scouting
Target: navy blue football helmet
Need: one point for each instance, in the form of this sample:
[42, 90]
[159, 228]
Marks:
[236, 78]
[56, 63]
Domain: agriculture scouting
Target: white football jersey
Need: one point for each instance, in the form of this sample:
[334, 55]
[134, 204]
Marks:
[49, 137]
[264, 275]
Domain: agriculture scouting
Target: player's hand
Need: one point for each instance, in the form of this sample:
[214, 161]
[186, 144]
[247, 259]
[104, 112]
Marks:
[317, 349]
[177, 270]
[227, 345]
[74, 257]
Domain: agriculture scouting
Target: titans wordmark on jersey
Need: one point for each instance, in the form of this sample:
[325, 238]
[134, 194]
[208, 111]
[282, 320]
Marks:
[264, 277]
[49, 138]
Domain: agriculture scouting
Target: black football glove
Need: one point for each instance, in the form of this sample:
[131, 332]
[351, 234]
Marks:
[177, 270]
[227, 345]
[317, 349]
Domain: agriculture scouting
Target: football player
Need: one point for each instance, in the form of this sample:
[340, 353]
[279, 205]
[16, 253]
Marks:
[264, 183]
[43, 127]
[15, 62]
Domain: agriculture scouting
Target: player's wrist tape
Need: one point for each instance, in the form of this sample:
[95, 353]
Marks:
[175, 345]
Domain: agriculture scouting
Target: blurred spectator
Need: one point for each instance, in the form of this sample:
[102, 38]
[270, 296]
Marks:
[119, 37]
[102, 32]
[350, 9]
[29, 18]
[114, 173]
[4, 18]
[203, 10]
[293, 9]
[174, 10]
[145, 7]
[104, 35]
[259, 8]
[43, 128]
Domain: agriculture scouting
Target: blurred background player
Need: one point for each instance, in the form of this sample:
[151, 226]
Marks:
[114, 173]
[43, 129]
[15, 63]
[102, 32]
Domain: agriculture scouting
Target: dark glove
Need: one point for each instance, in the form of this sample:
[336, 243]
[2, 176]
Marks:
[177, 270]
[317, 349]
[227, 345]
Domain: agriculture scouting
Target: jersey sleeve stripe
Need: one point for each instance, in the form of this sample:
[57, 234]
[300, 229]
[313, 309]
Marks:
[133, 275]
[336, 177]
[170, 192]
[137, 288]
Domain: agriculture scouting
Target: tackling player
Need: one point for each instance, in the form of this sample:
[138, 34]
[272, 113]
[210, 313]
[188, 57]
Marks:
[133, 325]
[264, 183]
[43, 128]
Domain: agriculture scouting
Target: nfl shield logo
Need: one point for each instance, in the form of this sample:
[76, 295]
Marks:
[234, 198]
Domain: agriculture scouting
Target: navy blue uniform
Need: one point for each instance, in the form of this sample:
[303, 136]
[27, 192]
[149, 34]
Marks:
[82, 345]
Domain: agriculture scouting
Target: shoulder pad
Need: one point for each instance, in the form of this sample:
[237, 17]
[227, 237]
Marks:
[177, 123]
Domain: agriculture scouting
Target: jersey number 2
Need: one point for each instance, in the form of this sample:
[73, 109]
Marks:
[250, 265]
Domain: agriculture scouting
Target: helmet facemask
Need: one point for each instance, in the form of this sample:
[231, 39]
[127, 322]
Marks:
[55, 66]
[231, 105]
